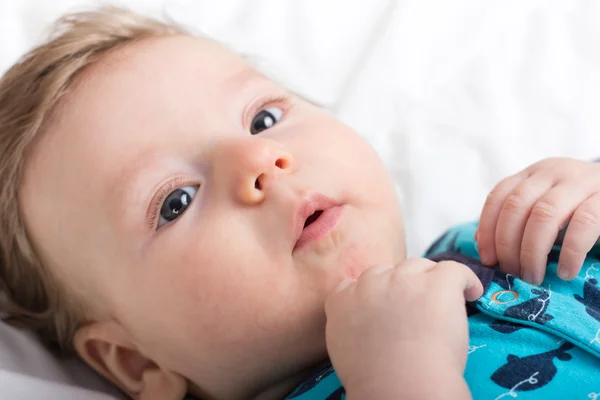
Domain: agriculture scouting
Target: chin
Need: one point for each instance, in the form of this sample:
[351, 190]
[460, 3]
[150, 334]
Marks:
[368, 249]
[352, 248]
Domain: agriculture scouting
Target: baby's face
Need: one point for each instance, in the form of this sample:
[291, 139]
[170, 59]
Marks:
[172, 190]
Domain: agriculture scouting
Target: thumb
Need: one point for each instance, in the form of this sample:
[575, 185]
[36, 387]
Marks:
[461, 278]
[334, 298]
[473, 287]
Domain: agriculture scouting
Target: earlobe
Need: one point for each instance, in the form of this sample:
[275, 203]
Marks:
[105, 347]
[160, 384]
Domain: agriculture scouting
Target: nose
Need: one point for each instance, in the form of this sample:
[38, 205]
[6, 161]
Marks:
[250, 166]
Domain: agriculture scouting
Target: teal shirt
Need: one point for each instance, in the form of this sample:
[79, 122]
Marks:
[526, 342]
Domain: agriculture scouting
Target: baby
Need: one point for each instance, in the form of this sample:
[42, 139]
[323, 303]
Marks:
[190, 228]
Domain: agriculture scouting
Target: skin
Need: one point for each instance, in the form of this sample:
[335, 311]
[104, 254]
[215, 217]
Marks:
[391, 347]
[218, 302]
[218, 296]
[523, 214]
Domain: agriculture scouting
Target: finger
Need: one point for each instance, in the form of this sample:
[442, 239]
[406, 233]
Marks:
[581, 235]
[486, 231]
[473, 288]
[416, 265]
[459, 275]
[513, 220]
[547, 216]
[341, 291]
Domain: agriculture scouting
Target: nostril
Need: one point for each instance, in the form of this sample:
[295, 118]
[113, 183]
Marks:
[281, 163]
[257, 184]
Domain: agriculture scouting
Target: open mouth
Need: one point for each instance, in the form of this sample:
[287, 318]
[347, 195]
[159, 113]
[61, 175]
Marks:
[319, 222]
[312, 218]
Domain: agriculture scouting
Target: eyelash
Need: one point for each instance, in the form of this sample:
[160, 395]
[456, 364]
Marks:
[160, 198]
[263, 103]
[176, 183]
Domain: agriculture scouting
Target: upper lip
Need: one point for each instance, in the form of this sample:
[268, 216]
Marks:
[307, 207]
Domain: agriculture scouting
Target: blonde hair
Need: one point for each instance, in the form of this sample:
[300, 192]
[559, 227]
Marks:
[29, 94]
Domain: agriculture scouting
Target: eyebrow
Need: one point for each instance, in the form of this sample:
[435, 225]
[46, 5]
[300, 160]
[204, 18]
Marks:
[243, 78]
[130, 177]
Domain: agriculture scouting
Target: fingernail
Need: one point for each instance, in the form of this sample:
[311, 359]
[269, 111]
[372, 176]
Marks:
[527, 276]
[563, 273]
[484, 256]
[344, 284]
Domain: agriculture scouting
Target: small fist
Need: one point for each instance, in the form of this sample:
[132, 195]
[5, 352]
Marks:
[523, 214]
[394, 319]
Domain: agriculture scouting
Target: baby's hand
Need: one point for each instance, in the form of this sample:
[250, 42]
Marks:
[524, 213]
[395, 327]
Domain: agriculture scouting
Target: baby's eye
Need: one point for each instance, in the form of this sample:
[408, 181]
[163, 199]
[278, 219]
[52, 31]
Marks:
[265, 119]
[176, 203]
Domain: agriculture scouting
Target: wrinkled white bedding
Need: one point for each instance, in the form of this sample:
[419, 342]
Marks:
[454, 95]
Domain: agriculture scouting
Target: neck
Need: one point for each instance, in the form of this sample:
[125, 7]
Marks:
[284, 388]
[280, 390]
[276, 391]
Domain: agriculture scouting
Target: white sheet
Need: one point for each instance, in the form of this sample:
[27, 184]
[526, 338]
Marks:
[454, 95]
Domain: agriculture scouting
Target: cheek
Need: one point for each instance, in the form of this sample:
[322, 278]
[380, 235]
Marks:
[356, 159]
[213, 288]
[364, 176]
[193, 304]
[376, 225]
[241, 311]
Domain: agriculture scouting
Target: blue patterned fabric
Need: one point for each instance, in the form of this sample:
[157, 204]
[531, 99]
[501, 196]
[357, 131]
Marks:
[526, 342]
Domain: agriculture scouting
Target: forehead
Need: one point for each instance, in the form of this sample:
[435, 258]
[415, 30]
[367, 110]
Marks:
[138, 99]
[123, 110]
[154, 78]
[146, 93]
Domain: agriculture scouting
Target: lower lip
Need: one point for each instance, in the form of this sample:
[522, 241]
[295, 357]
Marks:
[323, 225]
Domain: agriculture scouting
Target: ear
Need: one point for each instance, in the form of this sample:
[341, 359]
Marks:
[107, 348]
